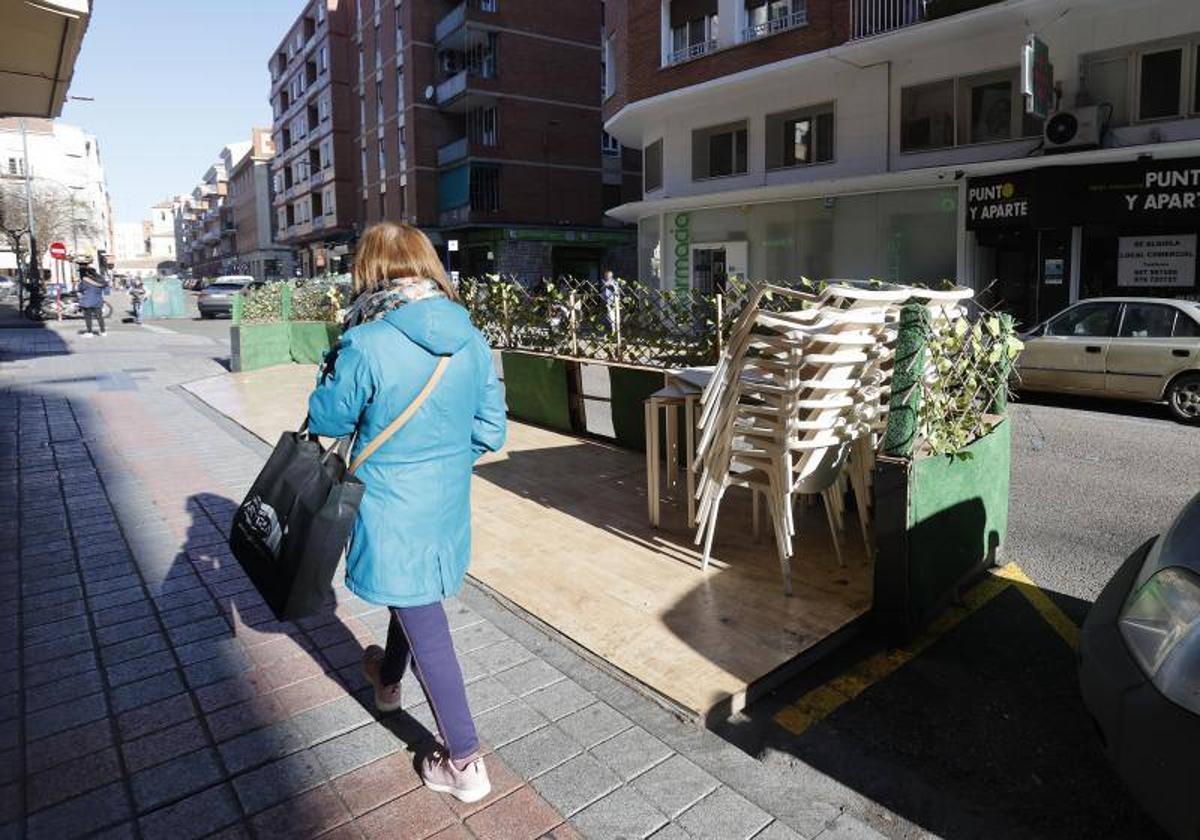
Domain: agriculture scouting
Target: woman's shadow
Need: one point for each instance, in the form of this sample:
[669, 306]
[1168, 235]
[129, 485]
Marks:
[273, 671]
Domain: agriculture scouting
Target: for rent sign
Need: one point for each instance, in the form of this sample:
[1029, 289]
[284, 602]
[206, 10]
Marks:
[1151, 261]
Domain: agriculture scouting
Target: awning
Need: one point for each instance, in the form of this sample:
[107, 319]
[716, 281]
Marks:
[39, 44]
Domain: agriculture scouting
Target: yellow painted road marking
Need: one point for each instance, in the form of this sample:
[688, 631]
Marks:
[825, 699]
[1041, 602]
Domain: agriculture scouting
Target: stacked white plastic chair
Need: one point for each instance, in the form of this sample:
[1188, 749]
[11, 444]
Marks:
[797, 405]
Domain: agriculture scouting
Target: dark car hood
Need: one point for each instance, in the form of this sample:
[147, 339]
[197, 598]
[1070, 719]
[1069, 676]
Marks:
[1179, 545]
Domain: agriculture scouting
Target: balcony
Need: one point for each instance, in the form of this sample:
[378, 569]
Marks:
[452, 22]
[457, 94]
[780, 24]
[693, 51]
[452, 152]
[876, 17]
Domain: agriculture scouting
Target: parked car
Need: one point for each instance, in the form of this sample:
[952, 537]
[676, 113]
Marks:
[1139, 671]
[1145, 349]
[217, 297]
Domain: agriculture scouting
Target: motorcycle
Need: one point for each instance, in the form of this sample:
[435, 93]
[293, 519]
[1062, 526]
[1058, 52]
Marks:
[67, 304]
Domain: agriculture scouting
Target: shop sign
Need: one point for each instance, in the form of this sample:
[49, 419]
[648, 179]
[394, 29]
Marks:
[1002, 201]
[1037, 77]
[682, 235]
[1144, 261]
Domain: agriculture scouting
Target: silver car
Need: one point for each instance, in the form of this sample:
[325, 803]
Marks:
[1145, 349]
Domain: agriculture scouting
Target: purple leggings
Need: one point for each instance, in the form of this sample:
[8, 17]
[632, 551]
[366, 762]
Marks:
[421, 635]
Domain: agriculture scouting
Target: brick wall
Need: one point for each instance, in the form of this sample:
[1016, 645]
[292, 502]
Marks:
[639, 49]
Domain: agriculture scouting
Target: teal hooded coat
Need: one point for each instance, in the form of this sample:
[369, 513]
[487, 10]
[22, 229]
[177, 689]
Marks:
[412, 539]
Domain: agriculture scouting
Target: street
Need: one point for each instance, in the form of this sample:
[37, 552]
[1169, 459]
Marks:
[982, 733]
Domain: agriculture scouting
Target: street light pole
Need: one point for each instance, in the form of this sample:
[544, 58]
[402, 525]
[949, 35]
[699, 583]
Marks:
[34, 271]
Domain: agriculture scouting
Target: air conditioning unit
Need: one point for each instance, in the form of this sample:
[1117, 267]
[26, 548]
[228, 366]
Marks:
[1071, 130]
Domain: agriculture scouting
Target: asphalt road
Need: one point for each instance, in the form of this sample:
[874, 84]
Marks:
[1091, 481]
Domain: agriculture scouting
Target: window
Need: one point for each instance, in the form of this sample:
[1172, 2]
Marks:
[378, 57]
[479, 59]
[609, 145]
[766, 17]
[327, 201]
[321, 12]
[399, 39]
[1159, 80]
[693, 29]
[378, 102]
[317, 207]
[281, 220]
[608, 70]
[362, 112]
[1160, 87]
[927, 116]
[361, 64]
[800, 137]
[482, 126]
[382, 161]
[399, 92]
[1147, 320]
[363, 165]
[324, 107]
[983, 108]
[652, 167]
[719, 151]
[485, 189]
[16, 166]
[1088, 320]
[323, 60]
[1187, 327]
[326, 153]
[403, 144]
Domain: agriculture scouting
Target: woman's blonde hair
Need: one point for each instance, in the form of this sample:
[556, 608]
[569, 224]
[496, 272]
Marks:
[389, 251]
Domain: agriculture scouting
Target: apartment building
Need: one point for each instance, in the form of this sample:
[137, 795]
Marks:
[315, 126]
[479, 121]
[252, 211]
[208, 247]
[1043, 150]
[69, 187]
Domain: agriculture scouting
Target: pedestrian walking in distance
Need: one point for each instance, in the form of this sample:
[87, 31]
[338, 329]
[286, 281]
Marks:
[611, 287]
[137, 298]
[91, 298]
[412, 538]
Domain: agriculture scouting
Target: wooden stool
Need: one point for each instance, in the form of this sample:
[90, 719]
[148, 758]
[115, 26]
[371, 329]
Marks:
[669, 400]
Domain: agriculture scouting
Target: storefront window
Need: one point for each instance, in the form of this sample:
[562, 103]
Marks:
[649, 252]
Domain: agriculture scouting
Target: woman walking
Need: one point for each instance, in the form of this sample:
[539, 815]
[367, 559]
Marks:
[406, 334]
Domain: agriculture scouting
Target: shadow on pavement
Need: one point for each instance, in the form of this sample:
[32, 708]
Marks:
[1123, 408]
[981, 735]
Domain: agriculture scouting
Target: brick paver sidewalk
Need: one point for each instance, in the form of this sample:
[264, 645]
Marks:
[148, 692]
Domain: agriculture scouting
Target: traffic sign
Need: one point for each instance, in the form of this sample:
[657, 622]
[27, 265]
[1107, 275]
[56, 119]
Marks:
[58, 250]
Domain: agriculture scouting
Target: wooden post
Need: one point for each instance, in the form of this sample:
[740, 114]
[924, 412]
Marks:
[720, 324]
[504, 315]
[571, 302]
[617, 320]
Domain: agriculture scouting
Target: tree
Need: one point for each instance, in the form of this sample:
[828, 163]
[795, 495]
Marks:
[56, 213]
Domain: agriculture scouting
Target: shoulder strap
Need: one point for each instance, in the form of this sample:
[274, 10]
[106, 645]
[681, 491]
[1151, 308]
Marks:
[395, 426]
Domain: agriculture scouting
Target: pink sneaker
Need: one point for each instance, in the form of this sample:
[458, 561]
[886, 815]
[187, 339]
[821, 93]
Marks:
[470, 784]
[387, 697]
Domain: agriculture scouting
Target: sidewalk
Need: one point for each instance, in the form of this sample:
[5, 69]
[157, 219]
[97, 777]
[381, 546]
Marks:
[149, 692]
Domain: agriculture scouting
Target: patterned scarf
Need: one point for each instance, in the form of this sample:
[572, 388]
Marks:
[393, 294]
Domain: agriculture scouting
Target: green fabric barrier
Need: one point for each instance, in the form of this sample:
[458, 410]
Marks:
[309, 340]
[536, 389]
[629, 389]
[260, 345]
[957, 515]
[164, 299]
[905, 405]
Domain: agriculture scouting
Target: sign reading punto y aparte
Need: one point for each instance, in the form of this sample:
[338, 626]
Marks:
[1151, 191]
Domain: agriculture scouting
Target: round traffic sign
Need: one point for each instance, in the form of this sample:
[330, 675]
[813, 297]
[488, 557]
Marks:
[58, 250]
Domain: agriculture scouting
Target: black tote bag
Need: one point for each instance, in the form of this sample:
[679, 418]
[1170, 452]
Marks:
[291, 530]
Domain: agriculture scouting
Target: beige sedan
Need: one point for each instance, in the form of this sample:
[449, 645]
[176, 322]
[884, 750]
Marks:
[1144, 349]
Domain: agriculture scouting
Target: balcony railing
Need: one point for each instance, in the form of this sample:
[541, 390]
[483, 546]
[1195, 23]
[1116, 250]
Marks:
[874, 17]
[692, 51]
[779, 24]
[455, 18]
[455, 216]
[452, 151]
[452, 87]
